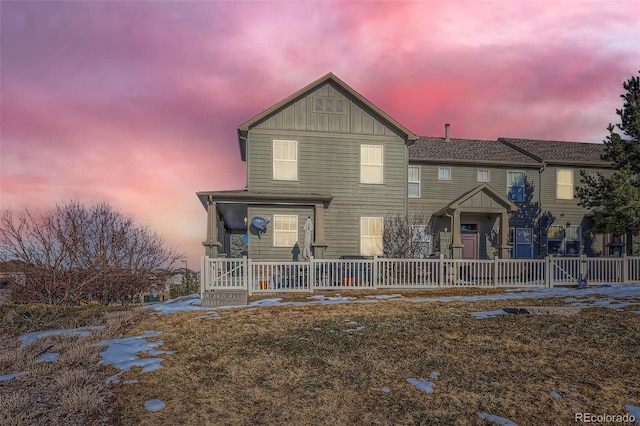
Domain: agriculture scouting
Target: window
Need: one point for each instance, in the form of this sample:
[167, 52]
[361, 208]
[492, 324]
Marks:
[444, 173]
[421, 241]
[572, 240]
[564, 189]
[414, 181]
[330, 105]
[285, 160]
[564, 240]
[371, 164]
[285, 230]
[370, 236]
[515, 186]
[483, 175]
[522, 243]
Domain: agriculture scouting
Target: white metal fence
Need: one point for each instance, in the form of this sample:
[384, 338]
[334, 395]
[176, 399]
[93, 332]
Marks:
[380, 273]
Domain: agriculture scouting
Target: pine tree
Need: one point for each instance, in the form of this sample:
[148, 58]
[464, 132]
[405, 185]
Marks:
[615, 200]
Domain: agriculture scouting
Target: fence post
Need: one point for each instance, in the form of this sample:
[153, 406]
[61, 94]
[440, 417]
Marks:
[203, 274]
[312, 274]
[548, 273]
[374, 273]
[495, 271]
[246, 264]
[441, 278]
[625, 268]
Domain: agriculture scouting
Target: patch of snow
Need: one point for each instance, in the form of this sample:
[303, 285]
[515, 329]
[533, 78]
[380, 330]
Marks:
[422, 384]
[383, 389]
[180, 304]
[634, 411]
[123, 354]
[317, 329]
[496, 419]
[385, 296]
[51, 357]
[27, 339]
[350, 322]
[434, 375]
[154, 405]
[555, 394]
[349, 330]
[7, 377]
[488, 314]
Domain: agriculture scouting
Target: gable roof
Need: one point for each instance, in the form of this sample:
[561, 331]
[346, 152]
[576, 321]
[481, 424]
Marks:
[427, 149]
[328, 78]
[559, 152]
[485, 188]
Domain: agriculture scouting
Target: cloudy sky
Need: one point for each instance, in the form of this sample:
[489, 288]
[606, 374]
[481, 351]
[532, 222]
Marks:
[137, 102]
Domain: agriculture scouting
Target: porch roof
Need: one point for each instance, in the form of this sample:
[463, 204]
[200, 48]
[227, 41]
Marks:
[252, 197]
[458, 203]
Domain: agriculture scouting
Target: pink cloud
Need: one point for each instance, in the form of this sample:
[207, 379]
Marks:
[137, 103]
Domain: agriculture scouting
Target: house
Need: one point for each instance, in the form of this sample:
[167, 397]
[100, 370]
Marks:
[327, 154]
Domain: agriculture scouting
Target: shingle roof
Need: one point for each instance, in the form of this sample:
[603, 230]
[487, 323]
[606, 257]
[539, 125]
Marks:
[467, 150]
[559, 151]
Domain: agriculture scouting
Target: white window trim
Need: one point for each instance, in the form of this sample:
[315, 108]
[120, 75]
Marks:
[273, 160]
[381, 147]
[381, 219]
[412, 181]
[488, 175]
[275, 231]
[564, 185]
[524, 184]
[450, 174]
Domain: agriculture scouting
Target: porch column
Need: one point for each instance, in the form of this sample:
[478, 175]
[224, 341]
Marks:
[456, 236]
[211, 244]
[319, 244]
[504, 250]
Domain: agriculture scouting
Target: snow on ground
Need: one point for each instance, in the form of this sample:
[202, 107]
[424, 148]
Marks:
[123, 353]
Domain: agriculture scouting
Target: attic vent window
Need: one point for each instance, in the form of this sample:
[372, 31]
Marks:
[329, 105]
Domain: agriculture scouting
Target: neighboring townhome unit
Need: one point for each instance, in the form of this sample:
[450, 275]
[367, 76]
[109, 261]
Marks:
[326, 168]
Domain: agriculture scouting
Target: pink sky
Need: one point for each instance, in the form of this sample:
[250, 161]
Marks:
[137, 103]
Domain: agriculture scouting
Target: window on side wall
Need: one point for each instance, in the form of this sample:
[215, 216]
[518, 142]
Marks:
[285, 160]
[371, 236]
[573, 236]
[515, 186]
[444, 173]
[414, 182]
[285, 230]
[564, 188]
[371, 164]
[483, 175]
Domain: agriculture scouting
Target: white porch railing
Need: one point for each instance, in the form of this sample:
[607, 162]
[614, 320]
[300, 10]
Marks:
[379, 273]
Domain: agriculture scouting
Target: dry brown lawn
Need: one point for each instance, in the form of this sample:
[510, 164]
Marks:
[311, 365]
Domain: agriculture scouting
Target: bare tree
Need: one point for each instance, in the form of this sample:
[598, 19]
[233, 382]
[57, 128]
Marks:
[75, 253]
[406, 237]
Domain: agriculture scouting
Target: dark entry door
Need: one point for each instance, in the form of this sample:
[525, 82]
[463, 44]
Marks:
[470, 243]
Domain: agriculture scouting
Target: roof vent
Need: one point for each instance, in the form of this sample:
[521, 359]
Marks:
[446, 132]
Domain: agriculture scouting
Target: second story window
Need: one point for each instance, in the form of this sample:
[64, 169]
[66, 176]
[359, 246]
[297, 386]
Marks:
[483, 175]
[515, 186]
[371, 164]
[444, 173]
[414, 182]
[564, 187]
[285, 160]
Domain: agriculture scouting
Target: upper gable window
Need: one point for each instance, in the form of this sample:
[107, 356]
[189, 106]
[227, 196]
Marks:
[515, 186]
[285, 160]
[371, 164]
[564, 187]
[330, 105]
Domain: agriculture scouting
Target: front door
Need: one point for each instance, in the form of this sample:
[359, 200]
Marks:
[470, 245]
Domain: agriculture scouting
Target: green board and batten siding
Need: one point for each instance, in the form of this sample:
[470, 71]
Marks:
[329, 163]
